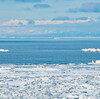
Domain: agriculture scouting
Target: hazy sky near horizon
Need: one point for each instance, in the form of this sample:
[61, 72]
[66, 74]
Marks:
[49, 18]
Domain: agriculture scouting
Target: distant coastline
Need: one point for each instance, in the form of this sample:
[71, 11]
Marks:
[44, 37]
[48, 38]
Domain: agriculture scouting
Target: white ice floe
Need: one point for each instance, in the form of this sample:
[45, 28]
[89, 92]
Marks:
[91, 50]
[3, 50]
[97, 62]
[50, 81]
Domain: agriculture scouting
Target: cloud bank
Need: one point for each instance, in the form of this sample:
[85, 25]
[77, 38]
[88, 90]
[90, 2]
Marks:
[18, 22]
[54, 21]
[29, 0]
[67, 18]
[61, 20]
[24, 1]
[87, 7]
[41, 6]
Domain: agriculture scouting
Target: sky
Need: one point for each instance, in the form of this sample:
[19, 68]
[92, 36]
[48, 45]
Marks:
[49, 18]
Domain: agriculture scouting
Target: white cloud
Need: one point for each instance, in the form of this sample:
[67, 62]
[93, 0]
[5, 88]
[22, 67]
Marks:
[18, 22]
[15, 23]
[8, 31]
[46, 32]
[61, 21]
[11, 31]
[31, 30]
[40, 22]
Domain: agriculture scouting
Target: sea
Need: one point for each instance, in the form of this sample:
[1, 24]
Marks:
[52, 51]
[49, 68]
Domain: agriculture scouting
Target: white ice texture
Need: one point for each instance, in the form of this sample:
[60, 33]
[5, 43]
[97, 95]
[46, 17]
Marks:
[50, 81]
[3, 50]
[91, 50]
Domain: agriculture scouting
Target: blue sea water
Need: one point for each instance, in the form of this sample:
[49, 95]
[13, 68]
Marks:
[44, 51]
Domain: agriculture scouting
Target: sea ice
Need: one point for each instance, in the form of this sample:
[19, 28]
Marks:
[91, 50]
[3, 50]
[50, 81]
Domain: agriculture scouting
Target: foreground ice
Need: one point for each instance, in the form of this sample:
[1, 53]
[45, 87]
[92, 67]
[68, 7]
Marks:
[91, 50]
[47, 81]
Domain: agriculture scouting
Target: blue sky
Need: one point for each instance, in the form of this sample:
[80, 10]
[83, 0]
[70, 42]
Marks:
[49, 18]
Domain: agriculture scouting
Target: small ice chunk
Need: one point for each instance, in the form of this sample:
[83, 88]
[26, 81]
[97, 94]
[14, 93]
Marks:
[91, 50]
[3, 50]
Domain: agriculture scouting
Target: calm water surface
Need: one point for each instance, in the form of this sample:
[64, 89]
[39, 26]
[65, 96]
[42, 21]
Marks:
[48, 51]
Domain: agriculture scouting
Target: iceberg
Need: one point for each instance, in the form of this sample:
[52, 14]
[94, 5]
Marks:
[2, 50]
[91, 50]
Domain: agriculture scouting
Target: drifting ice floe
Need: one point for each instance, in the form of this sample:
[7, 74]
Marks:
[2, 50]
[50, 81]
[91, 50]
[97, 62]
